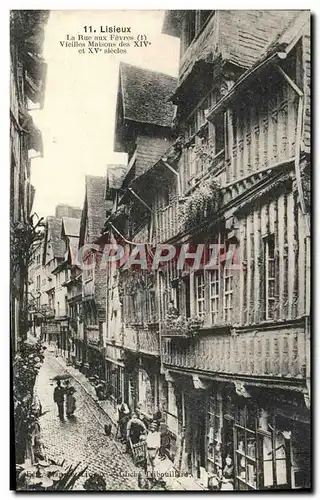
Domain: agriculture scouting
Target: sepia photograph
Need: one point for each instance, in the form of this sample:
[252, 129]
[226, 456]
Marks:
[160, 250]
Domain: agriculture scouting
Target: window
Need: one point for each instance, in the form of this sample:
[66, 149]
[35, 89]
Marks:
[38, 282]
[193, 23]
[214, 435]
[219, 128]
[214, 288]
[228, 292]
[269, 258]
[264, 449]
[200, 295]
[191, 160]
[197, 119]
[189, 29]
[245, 437]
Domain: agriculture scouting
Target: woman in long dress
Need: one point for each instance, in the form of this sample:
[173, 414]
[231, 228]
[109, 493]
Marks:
[70, 402]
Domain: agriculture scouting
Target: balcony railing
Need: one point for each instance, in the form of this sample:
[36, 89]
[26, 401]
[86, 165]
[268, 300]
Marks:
[148, 340]
[144, 339]
[271, 353]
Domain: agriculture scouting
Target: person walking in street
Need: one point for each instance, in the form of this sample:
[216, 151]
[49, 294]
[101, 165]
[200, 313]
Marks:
[165, 442]
[70, 402]
[135, 429]
[141, 416]
[123, 418]
[153, 445]
[58, 397]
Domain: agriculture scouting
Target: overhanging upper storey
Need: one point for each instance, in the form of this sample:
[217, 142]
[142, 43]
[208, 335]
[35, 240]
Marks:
[235, 39]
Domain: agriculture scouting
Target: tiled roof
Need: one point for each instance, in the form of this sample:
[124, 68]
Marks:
[96, 205]
[115, 175]
[71, 226]
[54, 230]
[291, 30]
[145, 95]
[149, 151]
[246, 35]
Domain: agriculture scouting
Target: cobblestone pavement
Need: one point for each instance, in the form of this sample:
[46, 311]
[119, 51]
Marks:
[82, 440]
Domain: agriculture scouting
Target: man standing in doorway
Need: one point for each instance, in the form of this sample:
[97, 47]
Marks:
[58, 397]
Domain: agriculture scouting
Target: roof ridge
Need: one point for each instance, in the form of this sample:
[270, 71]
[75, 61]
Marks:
[123, 64]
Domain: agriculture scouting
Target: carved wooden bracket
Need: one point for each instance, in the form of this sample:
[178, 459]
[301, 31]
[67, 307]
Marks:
[199, 383]
[168, 376]
[241, 390]
[307, 400]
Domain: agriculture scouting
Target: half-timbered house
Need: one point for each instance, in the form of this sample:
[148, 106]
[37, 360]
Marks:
[93, 277]
[233, 330]
[240, 385]
[27, 83]
[143, 131]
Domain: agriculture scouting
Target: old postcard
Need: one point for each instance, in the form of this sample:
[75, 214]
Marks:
[160, 250]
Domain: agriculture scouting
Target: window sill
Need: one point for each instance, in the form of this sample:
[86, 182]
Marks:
[226, 328]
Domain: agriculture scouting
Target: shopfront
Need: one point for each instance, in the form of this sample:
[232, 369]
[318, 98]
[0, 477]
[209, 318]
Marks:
[266, 447]
[115, 382]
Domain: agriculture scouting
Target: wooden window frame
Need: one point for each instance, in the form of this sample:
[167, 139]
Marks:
[214, 298]
[214, 421]
[200, 299]
[199, 21]
[228, 295]
[242, 428]
[269, 275]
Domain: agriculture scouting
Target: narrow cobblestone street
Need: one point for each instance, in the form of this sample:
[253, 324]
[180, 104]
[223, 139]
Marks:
[82, 440]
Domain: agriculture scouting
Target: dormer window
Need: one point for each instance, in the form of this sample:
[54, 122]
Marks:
[193, 23]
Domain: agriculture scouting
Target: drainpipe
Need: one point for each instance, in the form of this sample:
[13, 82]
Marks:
[300, 95]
